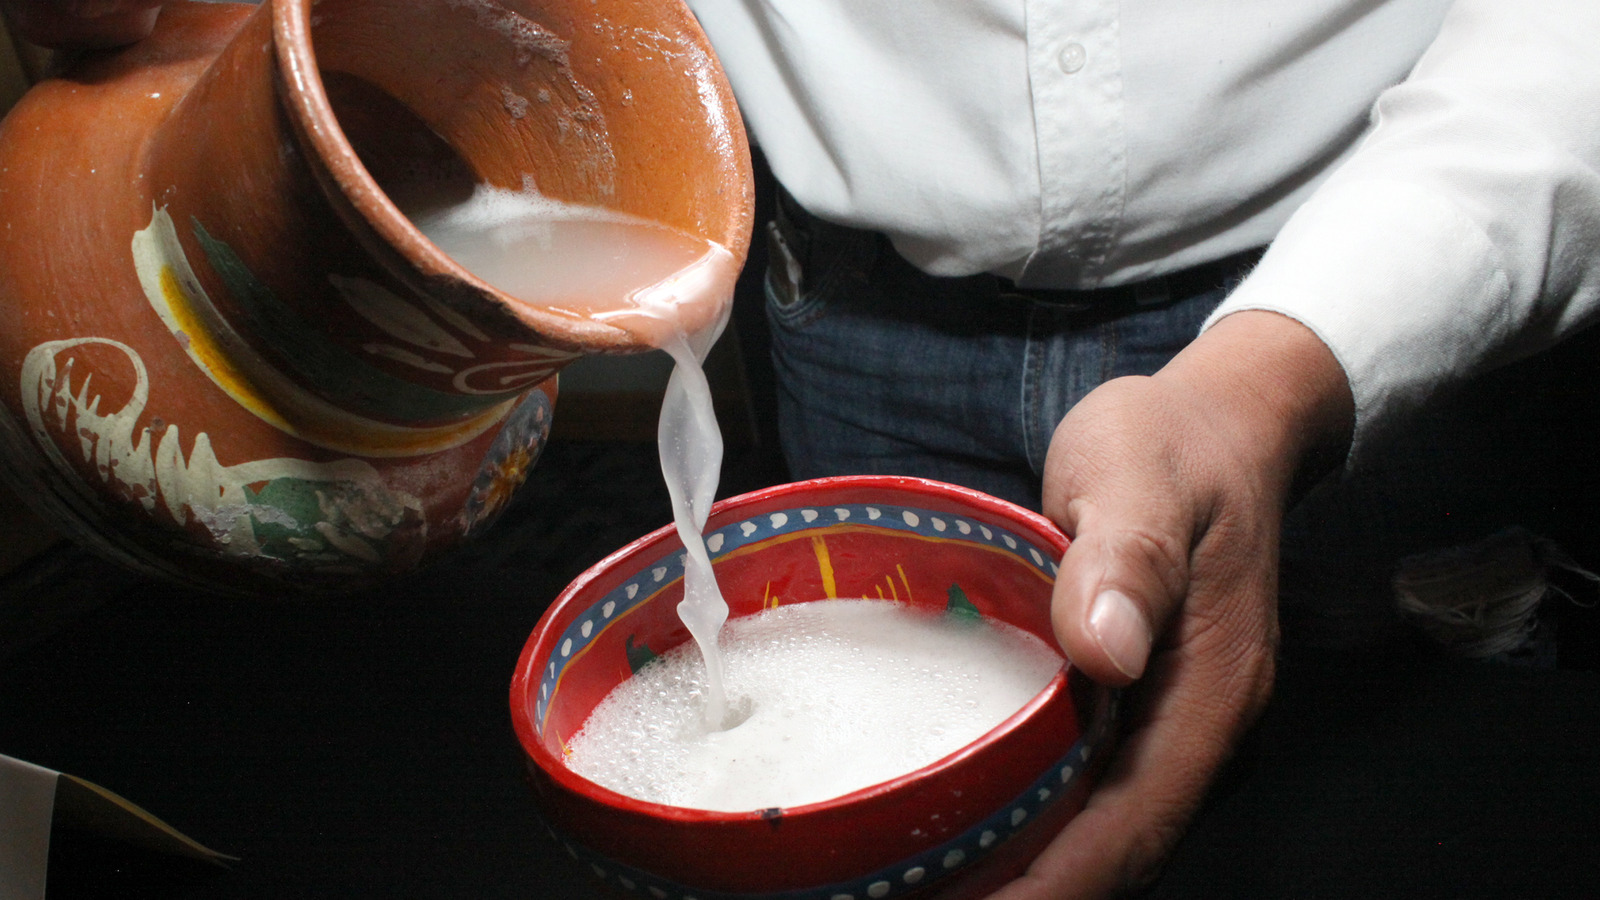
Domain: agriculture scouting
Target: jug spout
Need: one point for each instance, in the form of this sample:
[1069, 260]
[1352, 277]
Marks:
[617, 105]
[232, 349]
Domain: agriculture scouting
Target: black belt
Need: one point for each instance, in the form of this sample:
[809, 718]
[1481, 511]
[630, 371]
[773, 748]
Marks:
[1152, 292]
[801, 231]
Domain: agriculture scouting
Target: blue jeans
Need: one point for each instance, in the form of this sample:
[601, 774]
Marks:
[883, 369]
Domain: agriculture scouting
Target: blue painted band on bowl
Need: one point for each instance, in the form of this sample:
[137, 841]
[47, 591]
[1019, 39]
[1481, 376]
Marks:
[753, 531]
[911, 874]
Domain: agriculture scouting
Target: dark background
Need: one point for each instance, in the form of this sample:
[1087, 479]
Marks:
[362, 746]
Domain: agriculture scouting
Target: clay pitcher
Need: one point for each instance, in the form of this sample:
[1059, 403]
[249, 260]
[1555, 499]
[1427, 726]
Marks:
[229, 359]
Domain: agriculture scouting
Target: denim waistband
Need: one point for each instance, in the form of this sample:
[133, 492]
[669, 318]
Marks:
[799, 234]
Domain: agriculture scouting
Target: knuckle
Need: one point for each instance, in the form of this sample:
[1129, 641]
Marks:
[1158, 553]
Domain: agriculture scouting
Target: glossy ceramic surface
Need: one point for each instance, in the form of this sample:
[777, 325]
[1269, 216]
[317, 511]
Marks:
[956, 828]
[230, 360]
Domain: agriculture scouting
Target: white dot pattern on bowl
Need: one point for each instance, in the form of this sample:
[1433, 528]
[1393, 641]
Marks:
[914, 873]
[737, 535]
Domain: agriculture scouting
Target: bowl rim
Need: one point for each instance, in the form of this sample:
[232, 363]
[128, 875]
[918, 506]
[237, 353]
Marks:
[523, 682]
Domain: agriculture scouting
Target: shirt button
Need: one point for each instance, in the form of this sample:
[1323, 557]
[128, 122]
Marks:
[1072, 57]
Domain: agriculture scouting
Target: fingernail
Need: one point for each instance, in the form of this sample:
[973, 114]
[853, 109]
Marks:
[1120, 629]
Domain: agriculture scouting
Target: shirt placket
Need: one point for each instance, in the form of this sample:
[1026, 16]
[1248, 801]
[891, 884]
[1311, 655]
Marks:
[1075, 76]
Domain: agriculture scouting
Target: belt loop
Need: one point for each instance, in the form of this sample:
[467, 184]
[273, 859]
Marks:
[1151, 293]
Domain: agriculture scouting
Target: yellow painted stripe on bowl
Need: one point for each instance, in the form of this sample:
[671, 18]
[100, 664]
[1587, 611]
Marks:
[819, 546]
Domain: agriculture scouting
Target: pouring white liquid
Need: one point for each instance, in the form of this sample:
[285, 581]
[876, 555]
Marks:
[637, 275]
[834, 695]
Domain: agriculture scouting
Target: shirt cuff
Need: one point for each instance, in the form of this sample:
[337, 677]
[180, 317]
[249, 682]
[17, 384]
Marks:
[1405, 289]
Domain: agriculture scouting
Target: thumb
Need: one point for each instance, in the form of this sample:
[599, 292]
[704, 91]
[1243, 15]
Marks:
[1119, 583]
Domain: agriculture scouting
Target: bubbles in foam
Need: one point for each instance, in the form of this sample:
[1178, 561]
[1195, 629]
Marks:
[838, 695]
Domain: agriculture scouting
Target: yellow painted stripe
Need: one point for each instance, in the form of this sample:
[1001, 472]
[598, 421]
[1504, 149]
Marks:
[594, 640]
[314, 420]
[819, 545]
[203, 347]
[825, 563]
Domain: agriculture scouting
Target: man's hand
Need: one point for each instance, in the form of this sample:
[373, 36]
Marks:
[1173, 488]
[71, 24]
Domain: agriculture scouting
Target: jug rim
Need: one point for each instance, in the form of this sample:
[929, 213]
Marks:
[310, 108]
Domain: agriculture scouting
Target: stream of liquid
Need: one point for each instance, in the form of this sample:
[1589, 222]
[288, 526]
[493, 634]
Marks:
[637, 275]
[833, 695]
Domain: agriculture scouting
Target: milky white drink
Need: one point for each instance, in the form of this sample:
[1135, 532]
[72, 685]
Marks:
[841, 695]
[583, 260]
[640, 276]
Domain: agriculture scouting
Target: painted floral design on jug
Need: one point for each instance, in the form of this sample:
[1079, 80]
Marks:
[330, 516]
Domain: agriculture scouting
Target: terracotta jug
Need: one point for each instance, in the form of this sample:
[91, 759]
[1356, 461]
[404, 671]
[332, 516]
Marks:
[226, 356]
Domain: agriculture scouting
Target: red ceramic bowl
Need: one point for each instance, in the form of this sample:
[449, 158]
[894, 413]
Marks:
[958, 827]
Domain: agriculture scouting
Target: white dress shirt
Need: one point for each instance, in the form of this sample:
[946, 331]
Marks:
[1426, 169]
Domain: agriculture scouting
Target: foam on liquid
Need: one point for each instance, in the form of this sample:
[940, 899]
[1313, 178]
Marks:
[841, 695]
[638, 275]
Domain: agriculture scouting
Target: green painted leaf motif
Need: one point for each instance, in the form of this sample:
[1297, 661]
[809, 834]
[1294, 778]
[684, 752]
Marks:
[285, 512]
[960, 605]
[639, 655]
[323, 363]
[334, 521]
